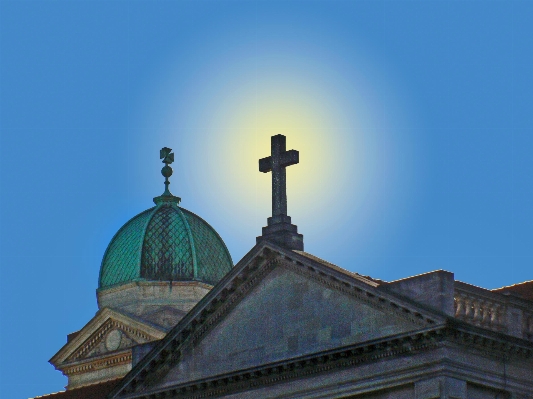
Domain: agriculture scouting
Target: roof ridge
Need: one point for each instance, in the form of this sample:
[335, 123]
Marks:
[513, 285]
[67, 391]
[338, 268]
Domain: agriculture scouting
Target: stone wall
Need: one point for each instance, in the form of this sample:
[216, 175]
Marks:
[163, 303]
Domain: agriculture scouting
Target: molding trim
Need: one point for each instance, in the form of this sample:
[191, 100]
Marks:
[328, 361]
[236, 290]
[433, 329]
[137, 336]
[94, 331]
[369, 298]
[94, 365]
[226, 295]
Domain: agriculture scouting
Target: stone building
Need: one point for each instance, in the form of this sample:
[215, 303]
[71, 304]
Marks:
[155, 269]
[285, 324]
[176, 320]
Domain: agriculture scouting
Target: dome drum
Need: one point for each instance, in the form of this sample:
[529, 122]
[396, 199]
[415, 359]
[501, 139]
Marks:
[146, 299]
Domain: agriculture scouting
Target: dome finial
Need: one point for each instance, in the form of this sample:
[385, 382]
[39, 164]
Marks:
[167, 156]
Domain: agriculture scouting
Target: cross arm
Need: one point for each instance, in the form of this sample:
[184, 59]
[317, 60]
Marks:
[265, 164]
[291, 157]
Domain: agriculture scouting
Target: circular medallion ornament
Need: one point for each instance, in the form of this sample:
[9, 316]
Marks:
[112, 341]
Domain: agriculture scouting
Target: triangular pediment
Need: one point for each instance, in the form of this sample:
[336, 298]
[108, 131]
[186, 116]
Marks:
[108, 331]
[275, 305]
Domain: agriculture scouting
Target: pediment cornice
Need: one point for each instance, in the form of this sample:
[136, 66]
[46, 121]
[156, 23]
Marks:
[486, 342]
[131, 330]
[263, 258]
[97, 363]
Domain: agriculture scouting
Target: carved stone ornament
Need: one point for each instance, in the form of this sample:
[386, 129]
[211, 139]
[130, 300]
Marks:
[113, 339]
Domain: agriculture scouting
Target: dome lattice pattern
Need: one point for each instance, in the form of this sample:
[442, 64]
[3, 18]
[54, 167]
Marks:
[166, 251]
[211, 253]
[122, 259]
[165, 243]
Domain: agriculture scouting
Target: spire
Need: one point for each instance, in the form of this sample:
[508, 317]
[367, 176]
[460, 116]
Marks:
[279, 229]
[167, 156]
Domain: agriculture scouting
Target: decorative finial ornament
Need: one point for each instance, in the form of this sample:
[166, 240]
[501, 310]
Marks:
[167, 156]
[279, 229]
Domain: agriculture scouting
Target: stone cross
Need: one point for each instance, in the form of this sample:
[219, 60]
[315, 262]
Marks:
[276, 163]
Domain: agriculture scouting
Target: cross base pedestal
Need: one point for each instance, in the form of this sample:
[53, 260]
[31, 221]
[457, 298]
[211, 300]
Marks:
[280, 231]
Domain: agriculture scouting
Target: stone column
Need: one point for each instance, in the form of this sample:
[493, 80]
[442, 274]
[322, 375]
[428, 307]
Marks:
[478, 311]
[469, 309]
[460, 308]
[495, 317]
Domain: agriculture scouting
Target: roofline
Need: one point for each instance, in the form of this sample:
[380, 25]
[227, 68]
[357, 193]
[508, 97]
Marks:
[94, 324]
[213, 229]
[422, 339]
[182, 213]
[372, 291]
[513, 285]
[256, 249]
[113, 239]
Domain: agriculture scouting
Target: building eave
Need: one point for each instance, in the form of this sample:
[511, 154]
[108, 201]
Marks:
[346, 357]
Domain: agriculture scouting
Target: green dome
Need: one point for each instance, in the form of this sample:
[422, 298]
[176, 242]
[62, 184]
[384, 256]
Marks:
[165, 243]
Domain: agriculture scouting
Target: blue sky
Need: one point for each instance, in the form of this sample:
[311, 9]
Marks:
[413, 121]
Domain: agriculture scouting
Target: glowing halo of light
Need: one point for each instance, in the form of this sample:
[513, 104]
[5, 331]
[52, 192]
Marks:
[348, 126]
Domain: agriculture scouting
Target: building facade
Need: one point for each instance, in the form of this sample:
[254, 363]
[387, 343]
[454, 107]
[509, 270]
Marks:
[155, 269]
[285, 324]
[178, 320]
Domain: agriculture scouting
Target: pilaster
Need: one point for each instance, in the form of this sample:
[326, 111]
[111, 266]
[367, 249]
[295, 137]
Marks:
[440, 388]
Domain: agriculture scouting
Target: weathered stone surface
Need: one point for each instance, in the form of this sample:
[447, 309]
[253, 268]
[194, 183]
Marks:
[440, 387]
[97, 376]
[279, 229]
[480, 392]
[284, 325]
[130, 315]
[101, 350]
[161, 302]
[285, 315]
[434, 289]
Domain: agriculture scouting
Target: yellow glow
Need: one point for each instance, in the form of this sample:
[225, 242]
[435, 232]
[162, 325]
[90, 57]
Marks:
[354, 150]
[245, 128]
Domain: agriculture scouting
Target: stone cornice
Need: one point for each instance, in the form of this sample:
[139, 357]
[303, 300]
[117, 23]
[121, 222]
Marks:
[101, 362]
[490, 343]
[376, 300]
[246, 274]
[93, 331]
[299, 367]
[433, 328]
[149, 283]
[138, 335]
[484, 339]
